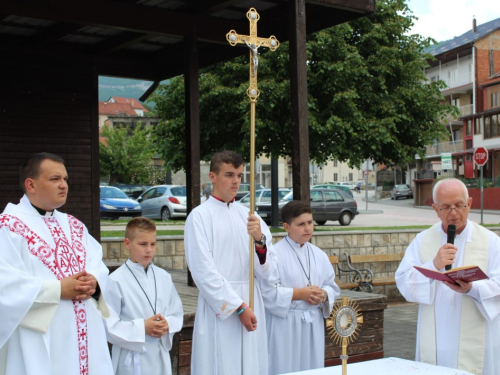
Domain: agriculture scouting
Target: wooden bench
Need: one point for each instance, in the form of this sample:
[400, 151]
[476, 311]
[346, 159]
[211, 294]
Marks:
[368, 280]
[350, 283]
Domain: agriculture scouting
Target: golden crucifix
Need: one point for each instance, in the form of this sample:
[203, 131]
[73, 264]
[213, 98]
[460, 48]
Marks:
[253, 42]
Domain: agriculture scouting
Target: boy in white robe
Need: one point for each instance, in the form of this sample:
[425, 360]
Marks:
[298, 296]
[146, 309]
[229, 337]
[51, 274]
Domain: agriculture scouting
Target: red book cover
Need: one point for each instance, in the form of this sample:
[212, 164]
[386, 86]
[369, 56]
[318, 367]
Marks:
[467, 273]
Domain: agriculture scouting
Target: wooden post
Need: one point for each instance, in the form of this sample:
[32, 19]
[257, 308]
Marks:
[298, 88]
[192, 107]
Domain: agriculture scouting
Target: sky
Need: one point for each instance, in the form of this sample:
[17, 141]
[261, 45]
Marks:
[446, 19]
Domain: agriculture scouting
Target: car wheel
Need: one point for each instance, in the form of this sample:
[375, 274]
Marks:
[165, 214]
[345, 218]
[321, 222]
[392, 198]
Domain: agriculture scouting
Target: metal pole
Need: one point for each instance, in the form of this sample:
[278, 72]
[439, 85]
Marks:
[274, 193]
[366, 185]
[481, 194]
[252, 195]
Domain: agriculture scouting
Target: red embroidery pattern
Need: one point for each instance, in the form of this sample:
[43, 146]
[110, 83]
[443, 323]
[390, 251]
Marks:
[63, 261]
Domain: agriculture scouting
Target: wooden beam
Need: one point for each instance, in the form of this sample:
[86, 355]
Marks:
[109, 14]
[298, 88]
[192, 110]
[364, 7]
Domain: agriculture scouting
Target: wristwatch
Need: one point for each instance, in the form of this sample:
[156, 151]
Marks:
[262, 240]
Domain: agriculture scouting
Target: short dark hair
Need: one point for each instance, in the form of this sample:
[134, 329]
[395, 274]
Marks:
[294, 209]
[31, 166]
[139, 224]
[225, 157]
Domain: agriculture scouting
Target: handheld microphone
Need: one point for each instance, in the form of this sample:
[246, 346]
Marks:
[452, 230]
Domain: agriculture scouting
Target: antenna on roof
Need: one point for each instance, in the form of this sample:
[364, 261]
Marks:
[474, 26]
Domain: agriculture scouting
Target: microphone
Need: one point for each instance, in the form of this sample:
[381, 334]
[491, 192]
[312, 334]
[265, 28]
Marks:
[452, 230]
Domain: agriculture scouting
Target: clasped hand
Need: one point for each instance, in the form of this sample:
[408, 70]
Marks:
[80, 286]
[313, 295]
[156, 326]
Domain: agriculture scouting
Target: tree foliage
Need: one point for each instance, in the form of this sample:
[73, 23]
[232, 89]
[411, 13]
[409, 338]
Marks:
[367, 97]
[125, 154]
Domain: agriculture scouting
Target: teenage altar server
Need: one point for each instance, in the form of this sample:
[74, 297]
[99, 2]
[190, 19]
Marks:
[147, 306]
[298, 296]
[51, 274]
[458, 324]
[229, 337]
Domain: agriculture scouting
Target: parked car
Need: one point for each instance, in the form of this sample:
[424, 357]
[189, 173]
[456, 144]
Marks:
[345, 188]
[327, 204]
[263, 196]
[244, 189]
[401, 191]
[114, 203]
[132, 190]
[350, 185]
[163, 202]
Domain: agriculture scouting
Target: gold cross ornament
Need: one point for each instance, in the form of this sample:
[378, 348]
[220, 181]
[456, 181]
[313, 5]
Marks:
[254, 43]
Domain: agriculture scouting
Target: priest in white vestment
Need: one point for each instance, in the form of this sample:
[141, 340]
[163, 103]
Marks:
[458, 325]
[51, 274]
[229, 337]
[298, 296]
[146, 310]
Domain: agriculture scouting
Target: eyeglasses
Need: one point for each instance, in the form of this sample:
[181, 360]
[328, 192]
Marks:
[447, 210]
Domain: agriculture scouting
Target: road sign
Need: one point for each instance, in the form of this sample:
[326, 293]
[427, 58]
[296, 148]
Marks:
[480, 156]
[446, 161]
[365, 174]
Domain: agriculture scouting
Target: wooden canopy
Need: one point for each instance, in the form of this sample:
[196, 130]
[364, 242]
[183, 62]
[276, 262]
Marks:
[53, 52]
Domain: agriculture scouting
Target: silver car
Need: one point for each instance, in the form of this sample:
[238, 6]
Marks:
[163, 202]
[263, 196]
[401, 191]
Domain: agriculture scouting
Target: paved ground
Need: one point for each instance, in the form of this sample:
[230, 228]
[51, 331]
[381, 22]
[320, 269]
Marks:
[400, 327]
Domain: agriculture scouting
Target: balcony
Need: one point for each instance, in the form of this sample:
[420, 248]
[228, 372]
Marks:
[457, 80]
[464, 110]
[438, 148]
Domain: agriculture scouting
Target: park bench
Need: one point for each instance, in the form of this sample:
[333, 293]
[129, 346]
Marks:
[368, 281]
[352, 278]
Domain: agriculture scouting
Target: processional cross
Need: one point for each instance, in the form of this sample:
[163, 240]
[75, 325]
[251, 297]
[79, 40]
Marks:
[254, 43]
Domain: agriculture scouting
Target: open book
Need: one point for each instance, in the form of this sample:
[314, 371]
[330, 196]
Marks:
[467, 273]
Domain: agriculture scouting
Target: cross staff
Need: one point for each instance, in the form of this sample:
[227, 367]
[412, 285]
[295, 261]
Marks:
[253, 42]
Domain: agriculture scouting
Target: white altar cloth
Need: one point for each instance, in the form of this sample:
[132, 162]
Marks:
[386, 366]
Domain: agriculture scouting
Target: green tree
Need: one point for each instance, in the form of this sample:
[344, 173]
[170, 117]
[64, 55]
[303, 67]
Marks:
[368, 97]
[125, 154]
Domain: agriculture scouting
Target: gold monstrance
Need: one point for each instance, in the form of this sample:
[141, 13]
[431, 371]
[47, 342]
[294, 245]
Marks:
[254, 43]
[342, 325]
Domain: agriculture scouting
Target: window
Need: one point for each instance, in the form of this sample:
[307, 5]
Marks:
[455, 102]
[435, 78]
[494, 100]
[335, 164]
[487, 129]
[316, 196]
[335, 177]
[468, 157]
[468, 129]
[350, 177]
[452, 76]
[477, 125]
[468, 143]
[494, 129]
[333, 196]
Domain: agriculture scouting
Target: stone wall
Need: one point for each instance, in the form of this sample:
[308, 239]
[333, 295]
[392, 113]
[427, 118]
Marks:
[170, 250]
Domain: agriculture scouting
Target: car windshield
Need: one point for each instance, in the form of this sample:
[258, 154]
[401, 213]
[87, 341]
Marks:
[288, 197]
[112, 193]
[402, 187]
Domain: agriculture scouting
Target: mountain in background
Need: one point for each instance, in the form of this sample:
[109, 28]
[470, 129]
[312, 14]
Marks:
[434, 46]
[122, 87]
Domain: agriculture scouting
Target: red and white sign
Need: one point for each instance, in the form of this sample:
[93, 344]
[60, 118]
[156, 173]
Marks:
[480, 156]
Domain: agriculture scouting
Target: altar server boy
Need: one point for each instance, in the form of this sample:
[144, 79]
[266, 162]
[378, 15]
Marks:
[147, 310]
[298, 296]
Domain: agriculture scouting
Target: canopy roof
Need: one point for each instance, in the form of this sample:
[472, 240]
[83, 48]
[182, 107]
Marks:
[144, 39]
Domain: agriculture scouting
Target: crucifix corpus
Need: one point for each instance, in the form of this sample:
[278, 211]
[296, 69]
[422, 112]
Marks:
[253, 42]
